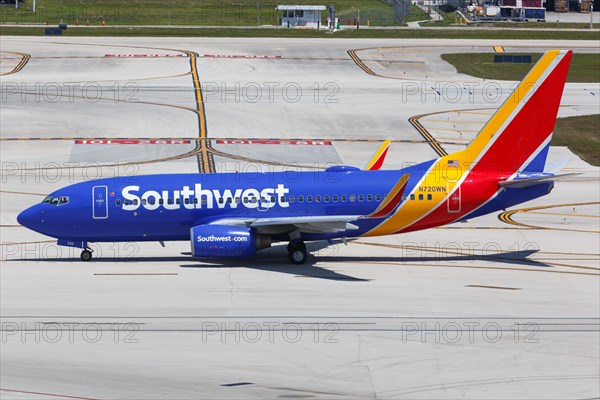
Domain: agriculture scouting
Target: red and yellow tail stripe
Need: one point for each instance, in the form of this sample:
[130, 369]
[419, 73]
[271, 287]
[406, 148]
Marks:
[514, 133]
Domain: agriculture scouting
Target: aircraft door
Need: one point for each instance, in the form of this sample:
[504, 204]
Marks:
[454, 201]
[100, 202]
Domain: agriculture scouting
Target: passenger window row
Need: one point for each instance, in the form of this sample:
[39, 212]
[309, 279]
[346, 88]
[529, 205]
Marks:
[254, 200]
[292, 199]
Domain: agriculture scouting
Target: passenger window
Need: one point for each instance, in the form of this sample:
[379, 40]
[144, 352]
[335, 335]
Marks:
[361, 197]
[282, 199]
[317, 199]
[352, 198]
[186, 200]
[369, 197]
[335, 199]
[412, 196]
[344, 198]
[160, 201]
[152, 200]
[169, 201]
[429, 197]
[420, 197]
[273, 199]
[203, 201]
[309, 199]
[118, 202]
[326, 199]
[127, 202]
[195, 200]
[135, 202]
[178, 201]
[143, 202]
[378, 197]
[292, 199]
[300, 199]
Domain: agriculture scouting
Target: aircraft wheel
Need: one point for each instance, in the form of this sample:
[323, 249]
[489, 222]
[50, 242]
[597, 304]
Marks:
[297, 253]
[86, 255]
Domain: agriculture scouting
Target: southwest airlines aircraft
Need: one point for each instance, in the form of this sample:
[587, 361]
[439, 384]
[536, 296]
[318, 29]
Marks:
[234, 215]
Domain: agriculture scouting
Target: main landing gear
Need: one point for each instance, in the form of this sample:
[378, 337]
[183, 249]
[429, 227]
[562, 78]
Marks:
[297, 252]
[86, 255]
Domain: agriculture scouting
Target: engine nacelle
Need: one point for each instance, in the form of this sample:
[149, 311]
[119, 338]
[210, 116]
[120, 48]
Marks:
[226, 241]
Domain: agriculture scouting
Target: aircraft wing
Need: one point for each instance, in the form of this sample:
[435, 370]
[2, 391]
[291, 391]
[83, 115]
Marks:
[304, 224]
[316, 224]
[322, 223]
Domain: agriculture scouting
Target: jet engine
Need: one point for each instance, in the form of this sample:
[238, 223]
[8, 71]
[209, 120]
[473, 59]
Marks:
[226, 241]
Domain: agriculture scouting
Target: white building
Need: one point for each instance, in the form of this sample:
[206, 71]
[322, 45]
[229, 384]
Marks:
[303, 16]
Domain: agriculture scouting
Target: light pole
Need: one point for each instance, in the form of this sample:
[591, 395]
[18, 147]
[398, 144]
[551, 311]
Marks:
[591, 14]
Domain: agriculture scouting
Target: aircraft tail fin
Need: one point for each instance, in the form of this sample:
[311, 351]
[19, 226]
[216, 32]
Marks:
[517, 136]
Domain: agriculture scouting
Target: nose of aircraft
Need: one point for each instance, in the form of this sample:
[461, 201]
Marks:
[30, 218]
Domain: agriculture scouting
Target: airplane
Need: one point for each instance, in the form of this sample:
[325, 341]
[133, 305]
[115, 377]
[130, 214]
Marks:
[234, 215]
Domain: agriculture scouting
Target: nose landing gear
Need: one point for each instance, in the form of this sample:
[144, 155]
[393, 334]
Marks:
[86, 255]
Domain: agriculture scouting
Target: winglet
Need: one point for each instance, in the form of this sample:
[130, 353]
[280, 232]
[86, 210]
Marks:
[379, 157]
[392, 200]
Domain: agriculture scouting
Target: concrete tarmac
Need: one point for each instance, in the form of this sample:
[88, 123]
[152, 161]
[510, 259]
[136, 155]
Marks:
[506, 306]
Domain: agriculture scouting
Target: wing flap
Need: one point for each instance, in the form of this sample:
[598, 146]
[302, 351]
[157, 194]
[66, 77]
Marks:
[312, 224]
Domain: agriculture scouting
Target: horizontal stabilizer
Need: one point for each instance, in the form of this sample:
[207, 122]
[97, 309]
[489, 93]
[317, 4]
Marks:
[527, 182]
[555, 167]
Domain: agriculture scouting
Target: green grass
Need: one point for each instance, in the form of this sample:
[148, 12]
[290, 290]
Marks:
[581, 135]
[448, 18]
[540, 25]
[180, 12]
[416, 14]
[458, 33]
[584, 67]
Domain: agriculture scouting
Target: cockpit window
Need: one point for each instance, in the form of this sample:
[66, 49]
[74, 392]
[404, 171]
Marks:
[56, 201]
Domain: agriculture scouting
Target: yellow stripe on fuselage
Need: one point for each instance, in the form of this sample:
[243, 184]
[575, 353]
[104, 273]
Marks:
[438, 182]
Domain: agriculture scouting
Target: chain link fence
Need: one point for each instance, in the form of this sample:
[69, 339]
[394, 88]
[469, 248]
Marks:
[185, 12]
